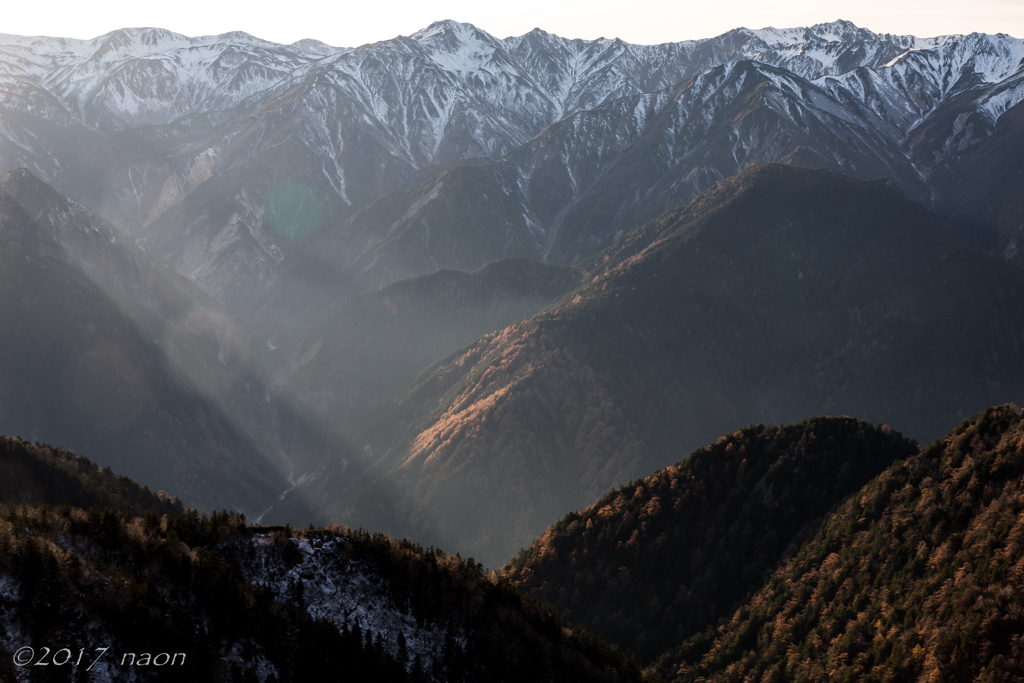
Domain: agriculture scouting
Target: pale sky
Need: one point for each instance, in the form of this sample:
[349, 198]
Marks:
[344, 23]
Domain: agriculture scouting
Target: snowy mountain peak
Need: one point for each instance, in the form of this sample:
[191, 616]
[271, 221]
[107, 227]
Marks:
[992, 57]
[445, 26]
[137, 42]
[838, 30]
[778, 37]
[315, 47]
[958, 62]
[144, 35]
[238, 37]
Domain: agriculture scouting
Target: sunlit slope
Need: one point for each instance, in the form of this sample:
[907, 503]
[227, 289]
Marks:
[781, 293]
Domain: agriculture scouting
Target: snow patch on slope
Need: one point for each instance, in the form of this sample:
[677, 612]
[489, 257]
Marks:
[335, 585]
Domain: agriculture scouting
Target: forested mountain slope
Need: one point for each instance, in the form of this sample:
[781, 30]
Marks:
[227, 603]
[43, 475]
[92, 561]
[918, 576]
[654, 562]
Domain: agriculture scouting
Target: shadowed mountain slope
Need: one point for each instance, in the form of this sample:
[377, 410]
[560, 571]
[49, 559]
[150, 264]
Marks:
[981, 182]
[41, 474]
[111, 354]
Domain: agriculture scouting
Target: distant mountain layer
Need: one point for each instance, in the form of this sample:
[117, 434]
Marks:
[249, 165]
[782, 292]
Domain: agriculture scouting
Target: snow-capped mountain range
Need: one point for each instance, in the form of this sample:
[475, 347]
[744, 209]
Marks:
[231, 157]
[419, 87]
